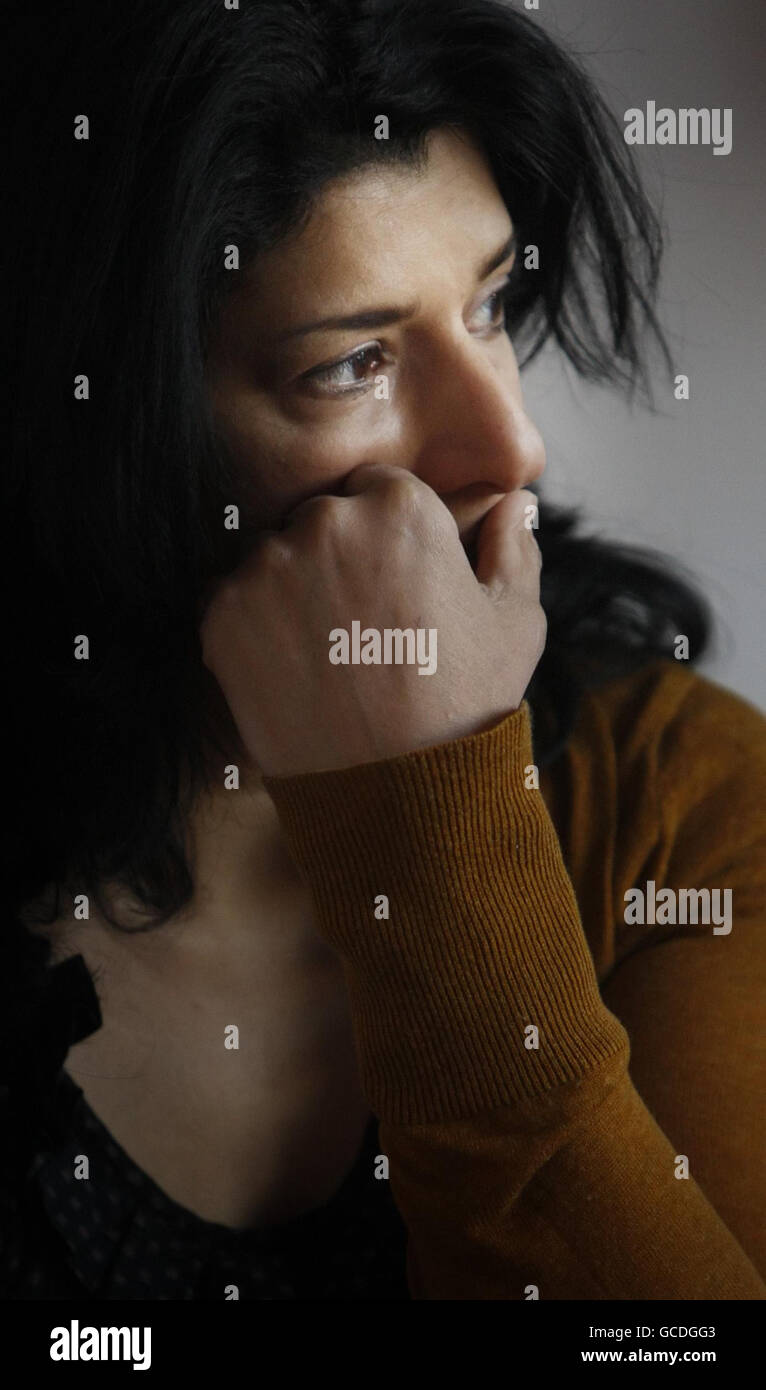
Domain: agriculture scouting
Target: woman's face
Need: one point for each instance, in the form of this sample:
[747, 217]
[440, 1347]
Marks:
[375, 336]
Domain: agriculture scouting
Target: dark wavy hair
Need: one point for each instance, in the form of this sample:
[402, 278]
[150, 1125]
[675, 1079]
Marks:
[211, 126]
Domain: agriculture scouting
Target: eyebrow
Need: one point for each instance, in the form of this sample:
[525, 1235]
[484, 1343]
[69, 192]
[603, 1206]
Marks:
[380, 318]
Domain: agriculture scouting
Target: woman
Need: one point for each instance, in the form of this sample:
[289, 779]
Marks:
[321, 977]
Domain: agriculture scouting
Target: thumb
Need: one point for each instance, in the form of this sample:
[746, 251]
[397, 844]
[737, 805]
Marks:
[503, 540]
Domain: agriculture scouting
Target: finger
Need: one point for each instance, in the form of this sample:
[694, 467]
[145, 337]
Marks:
[311, 507]
[507, 552]
[365, 477]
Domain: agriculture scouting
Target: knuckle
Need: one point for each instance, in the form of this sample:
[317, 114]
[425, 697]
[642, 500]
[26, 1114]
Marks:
[271, 554]
[225, 598]
[403, 488]
[411, 505]
[315, 510]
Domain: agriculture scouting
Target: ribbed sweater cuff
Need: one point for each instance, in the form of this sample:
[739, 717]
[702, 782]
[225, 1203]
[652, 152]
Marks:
[483, 937]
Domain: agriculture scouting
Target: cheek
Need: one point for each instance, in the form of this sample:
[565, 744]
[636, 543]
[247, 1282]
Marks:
[281, 462]
[341, 436]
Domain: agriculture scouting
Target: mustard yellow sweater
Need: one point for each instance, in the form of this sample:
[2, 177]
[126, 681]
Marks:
[570, 1103]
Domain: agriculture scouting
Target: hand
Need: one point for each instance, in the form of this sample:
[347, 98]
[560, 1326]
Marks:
[387, 552]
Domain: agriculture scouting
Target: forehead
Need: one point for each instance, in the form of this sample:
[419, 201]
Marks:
[386, 222]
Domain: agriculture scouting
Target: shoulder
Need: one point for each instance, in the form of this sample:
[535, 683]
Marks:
[663, 780]
[691, 760]
[689, 733]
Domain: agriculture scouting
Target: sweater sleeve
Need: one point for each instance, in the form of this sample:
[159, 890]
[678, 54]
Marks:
[521, 1156]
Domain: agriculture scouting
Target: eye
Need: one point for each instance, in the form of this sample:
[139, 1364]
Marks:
[495, 306]
[351, 374]
[344, 376]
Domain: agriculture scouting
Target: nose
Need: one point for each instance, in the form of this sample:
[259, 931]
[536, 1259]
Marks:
[474, 429]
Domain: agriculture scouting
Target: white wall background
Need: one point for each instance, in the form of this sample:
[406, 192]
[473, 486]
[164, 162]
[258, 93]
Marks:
[689, 480]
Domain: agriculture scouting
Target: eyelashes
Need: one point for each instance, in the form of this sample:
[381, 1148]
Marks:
[499, 297]
[334, 373]
[338, 376]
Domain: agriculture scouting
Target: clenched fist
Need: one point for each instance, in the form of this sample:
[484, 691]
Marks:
[386, 553]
